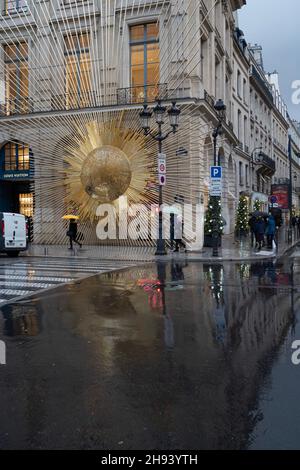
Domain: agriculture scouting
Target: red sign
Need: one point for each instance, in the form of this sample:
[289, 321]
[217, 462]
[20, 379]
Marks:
[281, 191]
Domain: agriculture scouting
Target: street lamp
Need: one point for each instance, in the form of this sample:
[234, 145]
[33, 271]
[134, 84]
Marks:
[220, 109]
[159, 115]
[252, 162]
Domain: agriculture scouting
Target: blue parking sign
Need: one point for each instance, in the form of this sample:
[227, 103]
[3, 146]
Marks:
[216, 172]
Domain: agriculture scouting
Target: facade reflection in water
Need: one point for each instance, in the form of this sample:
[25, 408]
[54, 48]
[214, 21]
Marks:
[20, 320]
[180, 350]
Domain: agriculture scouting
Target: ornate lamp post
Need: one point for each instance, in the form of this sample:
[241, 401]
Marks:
[159, 115]
[220, 109]
[254, 161]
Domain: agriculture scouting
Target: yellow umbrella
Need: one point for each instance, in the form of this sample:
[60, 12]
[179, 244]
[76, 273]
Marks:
[70, 216]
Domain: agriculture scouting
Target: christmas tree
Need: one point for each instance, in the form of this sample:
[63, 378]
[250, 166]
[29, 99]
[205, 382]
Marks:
[256, 205]
[242, 216]
[213, 217]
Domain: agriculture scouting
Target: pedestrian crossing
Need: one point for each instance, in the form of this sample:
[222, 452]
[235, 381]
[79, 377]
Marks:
[23, 277]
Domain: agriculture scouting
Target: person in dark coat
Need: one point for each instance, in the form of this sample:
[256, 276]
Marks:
[259, 229]
[251, 224]
[72, 234]
[298, 226]
[270, 231]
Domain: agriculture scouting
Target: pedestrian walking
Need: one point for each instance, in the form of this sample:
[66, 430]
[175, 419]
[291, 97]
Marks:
[259, 232]
[251, 224]
[270, 231]
[72, 234]
[176, 230]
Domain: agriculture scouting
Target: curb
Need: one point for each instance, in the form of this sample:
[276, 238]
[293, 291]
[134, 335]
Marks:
[188, 257]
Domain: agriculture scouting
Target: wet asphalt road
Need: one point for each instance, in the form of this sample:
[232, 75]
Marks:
[163, 356]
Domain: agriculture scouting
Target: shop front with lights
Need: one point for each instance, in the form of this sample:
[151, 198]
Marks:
[15, 176]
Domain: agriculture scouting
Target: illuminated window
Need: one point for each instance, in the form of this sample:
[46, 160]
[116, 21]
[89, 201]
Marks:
[16, 157]
[78, 71]
[16, 77]
[144, 60]
[26, 204]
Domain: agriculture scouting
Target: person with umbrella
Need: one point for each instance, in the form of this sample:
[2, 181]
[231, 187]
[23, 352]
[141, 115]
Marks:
[72, 230]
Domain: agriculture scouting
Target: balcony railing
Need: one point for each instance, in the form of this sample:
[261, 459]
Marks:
[91, 99]
[142, 94]
[209, 99]
[282, 181]
[267, 165]
[15, 10]
[263, 84]
[16, 106]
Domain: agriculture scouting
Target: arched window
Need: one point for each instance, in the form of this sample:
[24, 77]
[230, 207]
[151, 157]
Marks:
[16, 157]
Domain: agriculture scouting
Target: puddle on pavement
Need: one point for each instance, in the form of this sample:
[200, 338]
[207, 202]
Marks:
[176, 355]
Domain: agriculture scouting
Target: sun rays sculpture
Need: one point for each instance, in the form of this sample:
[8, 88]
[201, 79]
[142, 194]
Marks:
[80, 114]
[110, 161]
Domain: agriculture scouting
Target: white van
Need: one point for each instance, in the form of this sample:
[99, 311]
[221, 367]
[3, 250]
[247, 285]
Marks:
[13, 233]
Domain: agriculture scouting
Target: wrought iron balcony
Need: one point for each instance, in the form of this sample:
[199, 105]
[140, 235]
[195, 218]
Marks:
[262, 83]
[14, 9]
[142, 94]
[86, 100]
[267, 166]
[20, 105]
[209, 99]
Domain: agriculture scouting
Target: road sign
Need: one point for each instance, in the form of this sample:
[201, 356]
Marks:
[273, 199]
[162, 179]
[162, 166]
[215, 187]
[215, 172]
[162, 156]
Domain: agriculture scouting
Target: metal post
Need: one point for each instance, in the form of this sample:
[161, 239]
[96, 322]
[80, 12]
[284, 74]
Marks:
[215, 234]
[160, 245]
[290, 189]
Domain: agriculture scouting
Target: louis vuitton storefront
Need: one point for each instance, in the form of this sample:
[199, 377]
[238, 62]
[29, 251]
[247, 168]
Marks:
[15, 177]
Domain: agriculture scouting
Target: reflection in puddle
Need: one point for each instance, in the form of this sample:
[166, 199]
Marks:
[171, 355]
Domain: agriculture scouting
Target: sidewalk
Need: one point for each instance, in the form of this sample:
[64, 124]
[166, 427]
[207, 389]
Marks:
[231, 250]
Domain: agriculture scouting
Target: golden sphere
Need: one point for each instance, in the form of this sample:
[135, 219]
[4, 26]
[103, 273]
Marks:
[106, 173]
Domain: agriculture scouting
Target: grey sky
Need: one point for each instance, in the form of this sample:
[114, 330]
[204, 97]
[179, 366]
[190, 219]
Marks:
[274, 24]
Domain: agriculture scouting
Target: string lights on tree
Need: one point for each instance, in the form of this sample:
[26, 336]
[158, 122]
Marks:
[214, 212]
[256, 205]
[242, 218]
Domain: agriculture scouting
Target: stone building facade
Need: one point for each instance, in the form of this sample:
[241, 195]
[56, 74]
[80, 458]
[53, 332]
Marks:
[66, 64]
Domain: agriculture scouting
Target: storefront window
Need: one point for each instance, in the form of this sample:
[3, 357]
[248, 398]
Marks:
[16, 157]
[144, 57]
[26, 204]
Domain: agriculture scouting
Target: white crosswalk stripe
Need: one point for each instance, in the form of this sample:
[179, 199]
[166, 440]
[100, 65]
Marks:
[25, 277]
[37, 278]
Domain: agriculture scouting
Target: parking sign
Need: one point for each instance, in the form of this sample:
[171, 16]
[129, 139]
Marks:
[216, 172]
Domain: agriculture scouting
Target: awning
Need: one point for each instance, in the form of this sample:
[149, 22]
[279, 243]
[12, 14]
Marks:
[260, 196]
